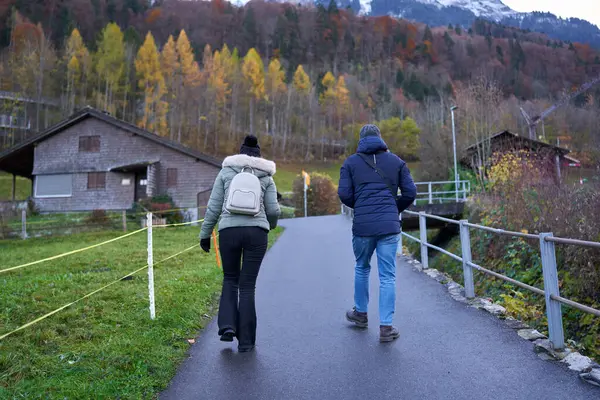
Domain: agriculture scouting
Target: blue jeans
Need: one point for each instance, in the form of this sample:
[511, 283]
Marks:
[386, 247]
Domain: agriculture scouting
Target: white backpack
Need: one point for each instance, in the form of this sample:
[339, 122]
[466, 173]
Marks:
[245, 194]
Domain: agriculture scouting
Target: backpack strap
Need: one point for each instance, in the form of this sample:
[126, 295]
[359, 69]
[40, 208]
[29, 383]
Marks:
[381, 174]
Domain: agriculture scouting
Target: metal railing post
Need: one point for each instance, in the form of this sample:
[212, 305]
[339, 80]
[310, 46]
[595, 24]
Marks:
[423, 232]
[553, 307]
[150, 268]
[399, 252]
[430, 193]
[465, 243]
[464, 190]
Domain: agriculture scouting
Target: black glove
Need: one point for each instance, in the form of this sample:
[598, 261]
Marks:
[205, 244]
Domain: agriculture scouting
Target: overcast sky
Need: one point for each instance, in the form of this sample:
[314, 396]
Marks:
[584, 9]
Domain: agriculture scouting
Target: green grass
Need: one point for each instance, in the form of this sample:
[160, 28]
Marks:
[105, 346]
[23, 187]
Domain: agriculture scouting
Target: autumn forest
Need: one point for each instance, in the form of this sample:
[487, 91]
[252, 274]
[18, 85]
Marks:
[301, 78]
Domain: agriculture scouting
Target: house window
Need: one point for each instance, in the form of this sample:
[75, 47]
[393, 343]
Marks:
[53, 185]
[96, 180]
[171, 177]
[89, 144]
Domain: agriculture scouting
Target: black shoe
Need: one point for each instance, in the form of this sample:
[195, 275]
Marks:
[388, 333]
[358, 318]
[246, 349]
[228, 335]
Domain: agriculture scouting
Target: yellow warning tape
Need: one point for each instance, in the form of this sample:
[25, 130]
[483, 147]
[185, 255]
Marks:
[71, 252]
[51, 313]
[181, 224]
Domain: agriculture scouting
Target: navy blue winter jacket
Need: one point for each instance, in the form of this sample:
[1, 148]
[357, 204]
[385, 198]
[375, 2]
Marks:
[376, 212]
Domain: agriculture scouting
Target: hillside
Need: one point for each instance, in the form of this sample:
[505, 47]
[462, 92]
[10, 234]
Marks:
[301, 77]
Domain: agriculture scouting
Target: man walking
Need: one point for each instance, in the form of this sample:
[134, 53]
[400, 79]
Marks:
[369, 183]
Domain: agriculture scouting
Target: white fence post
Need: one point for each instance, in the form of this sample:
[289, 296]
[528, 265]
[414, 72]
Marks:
[24, 224]
[464, 190]
[430, 193]
[305, 199]
[553, 307]
[150, 268]
[465, 243]
[423, 232]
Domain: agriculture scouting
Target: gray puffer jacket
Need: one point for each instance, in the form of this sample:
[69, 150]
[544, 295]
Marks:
[269, 210]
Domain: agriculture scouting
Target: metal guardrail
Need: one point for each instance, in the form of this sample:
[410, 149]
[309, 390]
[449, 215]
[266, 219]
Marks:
[548, 254]
[438, 195]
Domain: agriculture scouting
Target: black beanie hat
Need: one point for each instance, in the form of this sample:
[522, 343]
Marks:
[250, 146]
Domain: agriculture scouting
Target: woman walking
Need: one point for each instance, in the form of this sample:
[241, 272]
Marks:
[244, 203]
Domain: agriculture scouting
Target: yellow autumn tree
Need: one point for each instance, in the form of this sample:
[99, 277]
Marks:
[328, 95]
[170, 68]
[254, 74]
[189, 79]
[275, 87]
[301, 81]
[110, 64]
[216, 80]
[152, 82]
[328, 98]
[302, 88]
[77, 60]
[232, 75]
[218, 90]
[342, 105]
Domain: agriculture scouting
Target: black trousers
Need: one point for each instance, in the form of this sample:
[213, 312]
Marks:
[242, 252]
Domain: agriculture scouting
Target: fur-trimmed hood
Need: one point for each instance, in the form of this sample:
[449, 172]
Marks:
[240, 161]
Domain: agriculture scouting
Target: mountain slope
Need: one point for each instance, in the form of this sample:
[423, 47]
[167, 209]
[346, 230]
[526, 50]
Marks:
[465, 12]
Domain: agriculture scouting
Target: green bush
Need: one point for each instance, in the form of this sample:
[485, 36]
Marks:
[401, 136]
[162, 206]
[322, 198]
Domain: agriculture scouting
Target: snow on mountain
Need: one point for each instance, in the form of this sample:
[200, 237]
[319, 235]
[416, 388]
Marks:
[492, 9]
[365, 7]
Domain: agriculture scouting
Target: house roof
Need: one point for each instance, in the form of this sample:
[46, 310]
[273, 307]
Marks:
[19, 159]
[526, 142]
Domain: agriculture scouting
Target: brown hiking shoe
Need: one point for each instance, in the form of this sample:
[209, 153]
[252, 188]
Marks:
[358, 318]
[388, 333]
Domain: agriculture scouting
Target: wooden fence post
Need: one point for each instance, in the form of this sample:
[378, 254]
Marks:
[23, 224]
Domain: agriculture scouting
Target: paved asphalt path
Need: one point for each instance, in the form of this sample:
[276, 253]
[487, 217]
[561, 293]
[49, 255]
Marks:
[306, 349]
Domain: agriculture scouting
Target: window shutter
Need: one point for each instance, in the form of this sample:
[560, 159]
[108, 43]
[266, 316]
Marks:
[171, 177]
[89, 144]
[97, 180]
[83, 143]
[95, 144]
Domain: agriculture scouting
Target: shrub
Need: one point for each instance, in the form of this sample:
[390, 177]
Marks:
[523, 196]
[98, 217]
[163, 207]
[6, 230]
[322, 198]
[32, 209]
